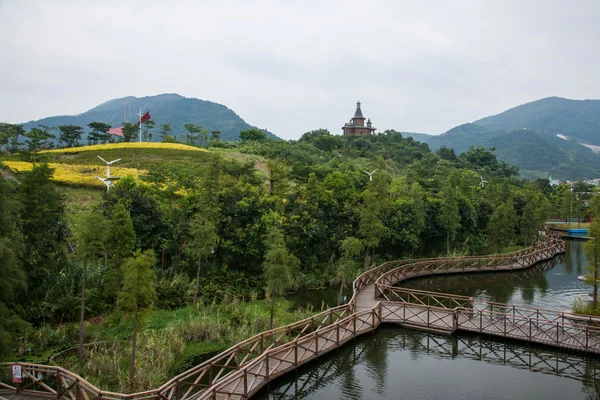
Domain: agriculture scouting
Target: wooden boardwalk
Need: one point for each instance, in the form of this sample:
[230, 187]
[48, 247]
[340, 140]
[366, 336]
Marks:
[242, 370]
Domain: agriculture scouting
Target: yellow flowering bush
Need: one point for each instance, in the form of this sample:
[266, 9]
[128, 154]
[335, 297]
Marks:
[126, 145]
[77, 174]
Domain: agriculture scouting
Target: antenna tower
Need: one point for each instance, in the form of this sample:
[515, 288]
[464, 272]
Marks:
[127, 116]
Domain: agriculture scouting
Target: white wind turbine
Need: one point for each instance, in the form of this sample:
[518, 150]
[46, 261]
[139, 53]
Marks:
[108, 181]
[370, 174]
[482, 183]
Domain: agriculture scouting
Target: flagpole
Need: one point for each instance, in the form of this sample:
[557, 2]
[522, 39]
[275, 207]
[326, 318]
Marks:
[140, 121]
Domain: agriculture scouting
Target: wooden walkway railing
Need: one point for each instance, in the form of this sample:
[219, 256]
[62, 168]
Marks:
[244, 368]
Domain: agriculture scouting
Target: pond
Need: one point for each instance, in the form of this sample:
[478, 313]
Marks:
[398, 363]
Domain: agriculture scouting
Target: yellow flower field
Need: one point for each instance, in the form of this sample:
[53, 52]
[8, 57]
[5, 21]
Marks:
[126, 145]
[79, 174]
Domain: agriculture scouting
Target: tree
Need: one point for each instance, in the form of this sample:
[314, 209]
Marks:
[147, 126]
[120, 244]
[70, 135]
[502, 225]
[449, 217]
[535, 213]
[12, 278]
[204, 237]
[99, 132]
[192, 129]
[350, 248]
[130, 132]
[592, 252]
[277, 266]
[37, 139]
[165, 132]
[138, 293]
[91, 244]
[44, 228]
[9, 135]
[566, 205]
[215, 135]
[252, 134]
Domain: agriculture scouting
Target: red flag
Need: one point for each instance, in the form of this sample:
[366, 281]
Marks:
[144, 118]
[116, 131]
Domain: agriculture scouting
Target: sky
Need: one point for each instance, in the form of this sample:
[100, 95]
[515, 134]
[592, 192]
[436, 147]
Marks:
[295, 66]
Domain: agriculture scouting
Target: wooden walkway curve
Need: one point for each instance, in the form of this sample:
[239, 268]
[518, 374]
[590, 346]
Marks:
[242, 370]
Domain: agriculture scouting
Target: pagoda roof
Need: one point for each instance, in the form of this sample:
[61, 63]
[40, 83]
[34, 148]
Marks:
[358, 113]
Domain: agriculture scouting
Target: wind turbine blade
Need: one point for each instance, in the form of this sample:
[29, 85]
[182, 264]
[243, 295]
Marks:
[368, 173]
[103, 159]
[114, 161]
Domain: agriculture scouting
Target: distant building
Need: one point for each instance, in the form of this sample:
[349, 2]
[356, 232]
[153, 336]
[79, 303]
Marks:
[356, 126]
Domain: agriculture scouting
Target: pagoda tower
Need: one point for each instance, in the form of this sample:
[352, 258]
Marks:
[356, 126]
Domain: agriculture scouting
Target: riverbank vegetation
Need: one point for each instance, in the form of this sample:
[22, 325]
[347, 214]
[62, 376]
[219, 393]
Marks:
[213, 232]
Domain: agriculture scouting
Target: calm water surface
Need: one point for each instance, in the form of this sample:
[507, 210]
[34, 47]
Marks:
[397, 363]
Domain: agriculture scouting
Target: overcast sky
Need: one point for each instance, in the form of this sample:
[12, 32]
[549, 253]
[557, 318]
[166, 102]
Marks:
[295, 66]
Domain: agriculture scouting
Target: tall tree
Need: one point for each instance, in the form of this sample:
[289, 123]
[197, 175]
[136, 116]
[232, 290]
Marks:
[138, 293]
[277, 266]
[566, 205]
[99, 132]
[449, 217]
[44, 229]
[37, 139]
[120, 243]
[215, 135]
[130, 132]
[502, 226]
[70, 135]
[12, 278]
[193, 132]
[204, 237]
[148, 125]
[350, 248]
[165, 132]
[9, 135]
[592, 252]
[91, 246]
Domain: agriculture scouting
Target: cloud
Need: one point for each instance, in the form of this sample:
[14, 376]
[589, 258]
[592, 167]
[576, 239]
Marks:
[296, 66]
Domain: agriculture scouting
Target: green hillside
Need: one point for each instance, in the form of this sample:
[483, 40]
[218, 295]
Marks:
[165, 109]
[526, 136]
[578, 119]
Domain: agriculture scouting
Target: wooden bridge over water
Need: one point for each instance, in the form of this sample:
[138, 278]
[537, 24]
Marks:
[242, 370]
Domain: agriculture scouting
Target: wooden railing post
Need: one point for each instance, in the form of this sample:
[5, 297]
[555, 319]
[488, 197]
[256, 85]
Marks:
[245, 382]
[57, 384]
[267, 365]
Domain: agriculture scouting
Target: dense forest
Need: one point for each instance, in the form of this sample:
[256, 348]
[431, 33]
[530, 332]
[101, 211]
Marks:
[188, 237]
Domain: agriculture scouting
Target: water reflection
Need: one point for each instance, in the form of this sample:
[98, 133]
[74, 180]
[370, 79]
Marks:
[396, 363]
[552, 284]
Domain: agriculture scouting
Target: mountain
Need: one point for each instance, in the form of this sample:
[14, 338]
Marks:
[165, 109]
[577, 119]
[547, 137]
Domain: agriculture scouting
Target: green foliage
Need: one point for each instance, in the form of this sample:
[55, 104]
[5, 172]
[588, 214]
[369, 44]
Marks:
[12, 277]
[43, 227]
[99, 133]
[120, 244]
[252, 134]
[502, 226]
[139, 282]
[70, 135]
[130, 132]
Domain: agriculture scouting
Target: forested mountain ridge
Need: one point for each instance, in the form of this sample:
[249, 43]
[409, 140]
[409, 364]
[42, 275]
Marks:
[170, 109]
[542, 138]
[578, 119]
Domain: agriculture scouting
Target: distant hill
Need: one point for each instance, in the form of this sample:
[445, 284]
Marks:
[543, 138]
[577, 119]
[165, 109]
